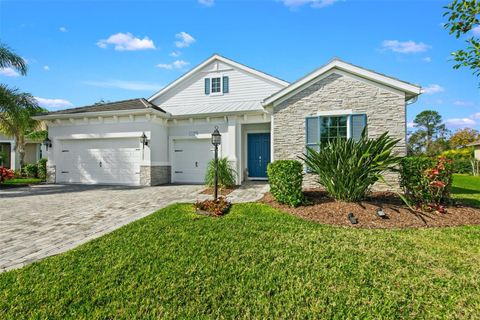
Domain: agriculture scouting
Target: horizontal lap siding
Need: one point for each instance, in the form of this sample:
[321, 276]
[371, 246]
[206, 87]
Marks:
[243, 86]
[385, 112]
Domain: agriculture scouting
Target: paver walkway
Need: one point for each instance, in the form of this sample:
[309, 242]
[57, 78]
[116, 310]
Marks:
[44, 220]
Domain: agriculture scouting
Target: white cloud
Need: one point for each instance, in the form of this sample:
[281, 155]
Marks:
[175, 54]
[53, 103]
[9, 72]
[433, 88]
[46, 68]
[476, 31]
[460, 122]
[207, 3]
[127, 85]
[63, 29]
[184, 40]
[475, 115]
[411, 124]
[177, 64]
[405, 46]
[312, 3]
[126, 42]
[463, 103]
[427, 59]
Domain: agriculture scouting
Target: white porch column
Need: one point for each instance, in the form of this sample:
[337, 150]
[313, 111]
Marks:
[232, 141]
[14, 165]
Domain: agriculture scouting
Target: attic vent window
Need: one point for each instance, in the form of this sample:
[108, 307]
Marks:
[216, 85]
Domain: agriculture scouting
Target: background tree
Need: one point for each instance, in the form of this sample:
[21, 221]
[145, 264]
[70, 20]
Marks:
[16, 111]
[462, 137]
[463, 16]
[431, 134]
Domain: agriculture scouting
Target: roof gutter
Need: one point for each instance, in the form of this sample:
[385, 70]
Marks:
[112, 113]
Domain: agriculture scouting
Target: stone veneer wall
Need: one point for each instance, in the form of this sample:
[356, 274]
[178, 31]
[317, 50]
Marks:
[385, 112]
[51, 173]
[154, 175]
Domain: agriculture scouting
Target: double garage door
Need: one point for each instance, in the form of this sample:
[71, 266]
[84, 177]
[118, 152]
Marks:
[102, 161]
[190, 159]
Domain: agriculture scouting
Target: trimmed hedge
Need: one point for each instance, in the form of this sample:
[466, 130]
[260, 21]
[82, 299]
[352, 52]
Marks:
[30, 170]
[285, 178]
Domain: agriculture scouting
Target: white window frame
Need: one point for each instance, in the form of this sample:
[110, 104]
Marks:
[220, 93]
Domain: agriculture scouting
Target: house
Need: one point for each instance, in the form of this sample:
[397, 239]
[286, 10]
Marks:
[9, 157]
[476, 146]
[166, 138]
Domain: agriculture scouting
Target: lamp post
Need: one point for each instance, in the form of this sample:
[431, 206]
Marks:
[216, 141]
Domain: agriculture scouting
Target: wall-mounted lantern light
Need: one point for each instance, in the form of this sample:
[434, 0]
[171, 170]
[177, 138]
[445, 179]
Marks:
[47, 143]
[216, 141]
[144, 140]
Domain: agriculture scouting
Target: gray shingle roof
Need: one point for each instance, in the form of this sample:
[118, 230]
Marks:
[132, 104]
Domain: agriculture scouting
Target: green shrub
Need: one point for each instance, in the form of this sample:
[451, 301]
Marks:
[461, 159]
[226, 174]
[285, 178]
[427, 182]
[347, 168]
[42, 168]
[30, 170]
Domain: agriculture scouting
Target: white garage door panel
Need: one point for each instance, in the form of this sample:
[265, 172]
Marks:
[190, 160]
[112, 161]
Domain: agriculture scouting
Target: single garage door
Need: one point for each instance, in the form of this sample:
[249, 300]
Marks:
[107, 161]
[190, 160]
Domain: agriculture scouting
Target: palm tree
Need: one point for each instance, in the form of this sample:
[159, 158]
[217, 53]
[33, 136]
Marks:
[9, 59]
[16, 111]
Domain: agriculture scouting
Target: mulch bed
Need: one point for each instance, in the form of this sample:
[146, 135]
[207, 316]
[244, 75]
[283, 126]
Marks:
[221, 192]
[320, 208]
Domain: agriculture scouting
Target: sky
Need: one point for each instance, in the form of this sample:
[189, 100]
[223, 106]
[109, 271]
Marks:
[81, 52]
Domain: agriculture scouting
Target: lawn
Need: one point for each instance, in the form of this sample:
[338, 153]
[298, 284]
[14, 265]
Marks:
[22, 181]
[466, 189]
[255, 262]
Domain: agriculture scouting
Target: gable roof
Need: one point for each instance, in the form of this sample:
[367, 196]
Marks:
[411, 90]
[123, 105]
[217, 57]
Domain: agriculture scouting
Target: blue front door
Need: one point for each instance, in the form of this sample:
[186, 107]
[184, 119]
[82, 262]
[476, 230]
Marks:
[258, 154]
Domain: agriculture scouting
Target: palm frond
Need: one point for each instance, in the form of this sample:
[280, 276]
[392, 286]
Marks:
[8, 58]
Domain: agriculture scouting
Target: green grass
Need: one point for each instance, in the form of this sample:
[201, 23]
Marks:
[466, 189]
[255, 262]
[23, 181]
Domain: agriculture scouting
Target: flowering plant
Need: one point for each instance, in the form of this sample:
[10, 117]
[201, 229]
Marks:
[217, 208]
[427, 182]
[6, 174]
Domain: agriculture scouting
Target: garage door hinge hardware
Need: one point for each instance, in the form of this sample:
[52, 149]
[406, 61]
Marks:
[178, 171]
[178, 150]
[65, 150]
[64, 171]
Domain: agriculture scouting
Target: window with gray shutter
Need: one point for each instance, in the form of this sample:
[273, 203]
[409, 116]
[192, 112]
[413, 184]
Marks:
[207, 85]
[225, 84]
[312, 132]
[358, 122]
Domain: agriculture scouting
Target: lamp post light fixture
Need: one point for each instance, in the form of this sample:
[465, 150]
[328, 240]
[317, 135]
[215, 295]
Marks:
[47, 143]
[144, 140]
[216, 141]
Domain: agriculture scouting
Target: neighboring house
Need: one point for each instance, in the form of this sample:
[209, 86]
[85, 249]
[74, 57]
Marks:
[261, 119]
[476, 146]
[33, 152]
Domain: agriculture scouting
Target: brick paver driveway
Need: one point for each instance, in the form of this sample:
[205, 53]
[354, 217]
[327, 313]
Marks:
[44, 220]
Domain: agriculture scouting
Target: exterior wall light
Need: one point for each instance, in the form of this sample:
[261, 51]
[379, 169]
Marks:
[47, 143]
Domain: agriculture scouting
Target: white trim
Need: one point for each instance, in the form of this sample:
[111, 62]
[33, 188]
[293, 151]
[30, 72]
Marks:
[410, 90]
[334, 113]
[115, 135]
[102, 114]
[221, 59]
